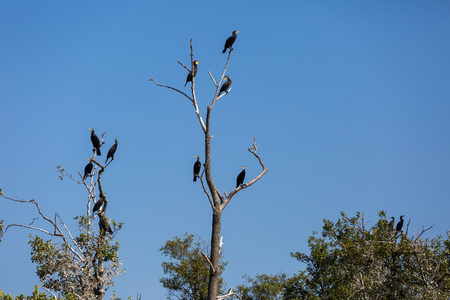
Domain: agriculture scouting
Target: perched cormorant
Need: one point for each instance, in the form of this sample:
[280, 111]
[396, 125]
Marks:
[391, 224]
[104, 225]
[193, 73]
[399, 224]
[88, 169]
[230, 41]
[197, 167]
[98, 204]
[225, 86]
[111, 152]
[240, 178]
[95, 142]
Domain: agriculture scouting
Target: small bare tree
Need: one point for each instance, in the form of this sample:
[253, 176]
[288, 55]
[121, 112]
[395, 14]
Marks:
[217, 200]
[82, 266]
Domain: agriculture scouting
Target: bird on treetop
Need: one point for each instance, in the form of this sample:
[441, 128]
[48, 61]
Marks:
[111, 152]
[391, 224]
[399, 224]
[192, 73]
[95, 142]
[230, 41]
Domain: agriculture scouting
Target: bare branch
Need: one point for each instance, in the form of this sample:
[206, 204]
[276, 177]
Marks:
[184, 66]
[50, 292]
[220, 81]
[204, 189]
[209, 262]
[57, 231]
[212, 78]
[172, 88]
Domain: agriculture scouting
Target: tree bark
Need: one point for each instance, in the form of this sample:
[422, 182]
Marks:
[215, 255]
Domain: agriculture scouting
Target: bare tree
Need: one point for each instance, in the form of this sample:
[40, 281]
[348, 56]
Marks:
[80, 266]
[217, 200]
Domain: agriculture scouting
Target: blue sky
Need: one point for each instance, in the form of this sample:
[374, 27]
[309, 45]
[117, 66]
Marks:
[349, 101]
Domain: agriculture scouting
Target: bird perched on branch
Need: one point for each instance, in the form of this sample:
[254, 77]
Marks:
[230, 41]
[399, 224]
[95, 142]
[391, 224]
[98, 204]
[226, 85]
[88, 169]
[240, 178]
[104, 225]
[197, 166]
[111, 152]
[192, 73]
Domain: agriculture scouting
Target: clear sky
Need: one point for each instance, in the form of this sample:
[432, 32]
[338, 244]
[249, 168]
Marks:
[349, 101]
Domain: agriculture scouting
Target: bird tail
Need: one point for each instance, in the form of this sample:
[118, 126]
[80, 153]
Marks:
[186, 83]
[224, 50]
[106, 160]
[195, 178]
[98, 152]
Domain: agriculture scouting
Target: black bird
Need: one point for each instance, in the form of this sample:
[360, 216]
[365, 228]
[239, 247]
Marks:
[197, 167]
[95, 142]
[225, 86]
[399, 224]
[230, 41]
[111, 152]
[88, 169]
[391, 224]
[104, 225]
[193, 73]
[240, 178]
[98, 204]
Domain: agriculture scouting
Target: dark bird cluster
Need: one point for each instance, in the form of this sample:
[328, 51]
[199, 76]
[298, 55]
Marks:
[192, 73]
[230, 41]
[102, 202]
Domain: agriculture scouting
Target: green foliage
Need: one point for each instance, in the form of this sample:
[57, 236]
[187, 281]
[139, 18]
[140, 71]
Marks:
[350, 261]
[188, 270]
[35, 296]
[263, 287]
[71, 268]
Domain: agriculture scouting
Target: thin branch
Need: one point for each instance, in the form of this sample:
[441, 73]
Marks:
[205, 190]
[184, 66]
[50, 292]
[55, 226]
[209, 262]
[71, 237]
[172, 88]
[216, 95]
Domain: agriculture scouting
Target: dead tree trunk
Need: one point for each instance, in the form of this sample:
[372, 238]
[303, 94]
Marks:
[217, 201]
